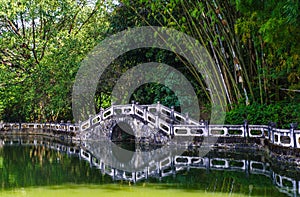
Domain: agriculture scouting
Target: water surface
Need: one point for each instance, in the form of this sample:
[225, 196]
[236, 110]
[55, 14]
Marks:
[38, 166]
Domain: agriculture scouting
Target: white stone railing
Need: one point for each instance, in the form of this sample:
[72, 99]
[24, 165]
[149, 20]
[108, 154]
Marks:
[171, 123]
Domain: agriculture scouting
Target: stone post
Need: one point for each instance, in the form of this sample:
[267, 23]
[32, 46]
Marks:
[293, 126]
[172, 116]
[157, 115]
[207, 163]
[246, 129]
[158, 108]
[101, 113]
[112, 109]
[133, 106]
[145, 111]
[50, 127]
[272, 125]
[91, 120]
[172, 121]
[206, 129]
[20, 126]
[79, 124]
[247, 167]
[68, 125]
[61, 125]
[187, 118]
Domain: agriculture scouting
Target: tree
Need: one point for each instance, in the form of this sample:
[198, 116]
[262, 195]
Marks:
[42, 45]
[253, 43]
[269, 32]
[212, 23]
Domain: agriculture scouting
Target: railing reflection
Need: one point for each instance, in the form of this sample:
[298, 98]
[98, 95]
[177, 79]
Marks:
[171, 163]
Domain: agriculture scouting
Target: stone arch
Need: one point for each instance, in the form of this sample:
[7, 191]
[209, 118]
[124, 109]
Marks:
[123, 131]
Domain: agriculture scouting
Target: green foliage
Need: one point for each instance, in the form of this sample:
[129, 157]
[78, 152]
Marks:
[262, 34]
[42, 45]
[254, 43]
[152, 93]
[269, 31]
[282, 113]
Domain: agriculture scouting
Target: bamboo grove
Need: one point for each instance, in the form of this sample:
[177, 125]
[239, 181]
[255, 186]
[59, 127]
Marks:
[254, 44]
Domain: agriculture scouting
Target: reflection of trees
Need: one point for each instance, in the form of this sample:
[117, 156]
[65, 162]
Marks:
[40, 154]
[38, 165]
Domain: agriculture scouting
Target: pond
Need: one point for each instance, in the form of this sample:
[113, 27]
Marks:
[42, 166]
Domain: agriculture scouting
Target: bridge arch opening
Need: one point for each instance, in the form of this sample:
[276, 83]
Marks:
[122, 132]
[124, 139]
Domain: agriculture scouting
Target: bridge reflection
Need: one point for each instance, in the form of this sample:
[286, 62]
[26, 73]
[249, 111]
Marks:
[151, 164]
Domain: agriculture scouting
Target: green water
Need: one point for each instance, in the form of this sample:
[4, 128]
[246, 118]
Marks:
[41, 171]
[108, 190]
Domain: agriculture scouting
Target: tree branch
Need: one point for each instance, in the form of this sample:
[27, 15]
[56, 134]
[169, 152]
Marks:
[33, 40]
[13, 27]
[89, 17]
[23, 26]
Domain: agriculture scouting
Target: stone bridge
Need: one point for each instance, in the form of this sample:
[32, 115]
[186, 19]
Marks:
[159, 118]
[171, 123]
